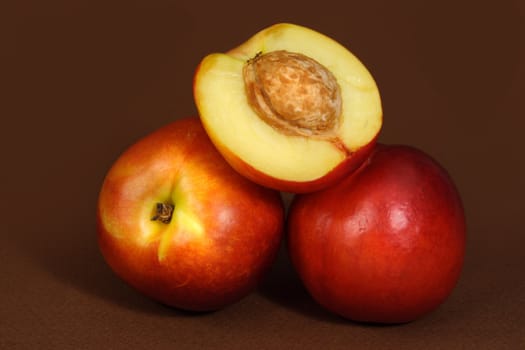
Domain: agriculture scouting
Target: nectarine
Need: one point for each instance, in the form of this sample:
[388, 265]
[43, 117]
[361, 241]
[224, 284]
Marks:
[290, 108]
[386, 244]
[176, 222]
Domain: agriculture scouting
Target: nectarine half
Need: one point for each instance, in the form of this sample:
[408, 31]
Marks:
[290, 108]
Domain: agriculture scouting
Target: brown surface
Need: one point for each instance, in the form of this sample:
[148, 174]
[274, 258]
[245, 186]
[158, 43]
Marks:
[81, 80]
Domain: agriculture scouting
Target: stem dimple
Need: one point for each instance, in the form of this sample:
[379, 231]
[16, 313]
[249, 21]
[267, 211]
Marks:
[163, 212]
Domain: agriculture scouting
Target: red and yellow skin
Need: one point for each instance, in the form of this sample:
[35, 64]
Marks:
[223, 234]
[384, 245]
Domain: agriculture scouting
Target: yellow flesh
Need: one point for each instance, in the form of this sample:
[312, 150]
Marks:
[231, 122]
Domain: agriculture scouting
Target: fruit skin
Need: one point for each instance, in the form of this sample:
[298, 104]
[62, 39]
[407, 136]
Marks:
[385, 245]
[224, 233]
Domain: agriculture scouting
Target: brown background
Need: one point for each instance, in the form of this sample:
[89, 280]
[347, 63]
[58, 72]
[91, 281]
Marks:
[82, 80]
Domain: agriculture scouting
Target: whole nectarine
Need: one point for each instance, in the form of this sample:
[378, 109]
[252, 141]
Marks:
[176, 222]
[384, 245]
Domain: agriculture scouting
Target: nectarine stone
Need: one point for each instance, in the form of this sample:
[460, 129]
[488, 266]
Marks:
[293, 93]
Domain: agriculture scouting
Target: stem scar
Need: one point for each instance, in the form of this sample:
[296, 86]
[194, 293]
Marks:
[163, 212]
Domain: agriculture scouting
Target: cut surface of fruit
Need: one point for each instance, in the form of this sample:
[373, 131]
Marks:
[289, 103]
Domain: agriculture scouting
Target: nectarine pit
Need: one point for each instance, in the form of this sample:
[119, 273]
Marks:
[293, 93]
[163, 212]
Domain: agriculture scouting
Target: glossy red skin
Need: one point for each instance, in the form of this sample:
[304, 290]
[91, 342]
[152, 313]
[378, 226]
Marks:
[243, 222]
[385, 245]
[347, 166]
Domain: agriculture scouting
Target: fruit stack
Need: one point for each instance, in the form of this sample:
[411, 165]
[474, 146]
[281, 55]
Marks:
[192, 214]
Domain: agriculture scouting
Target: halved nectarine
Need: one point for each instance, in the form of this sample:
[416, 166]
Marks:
[290, 108]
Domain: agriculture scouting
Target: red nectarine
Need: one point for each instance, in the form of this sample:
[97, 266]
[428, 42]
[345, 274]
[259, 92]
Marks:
[384, 245]
[176, 222]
